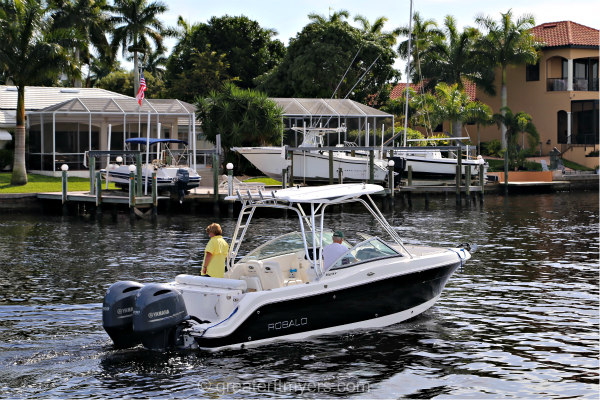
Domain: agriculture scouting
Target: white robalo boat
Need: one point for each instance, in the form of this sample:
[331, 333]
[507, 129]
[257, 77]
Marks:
[280, 290]
[172, 167]
[313, 166]
[431, 163]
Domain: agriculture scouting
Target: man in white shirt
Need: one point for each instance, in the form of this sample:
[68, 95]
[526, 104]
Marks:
[333, 251]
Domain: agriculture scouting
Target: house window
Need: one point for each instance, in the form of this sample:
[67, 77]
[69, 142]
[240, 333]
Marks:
[562, 126]
[584, 122]
[532, 72]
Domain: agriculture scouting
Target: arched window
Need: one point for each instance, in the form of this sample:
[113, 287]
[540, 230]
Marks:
[561, 127]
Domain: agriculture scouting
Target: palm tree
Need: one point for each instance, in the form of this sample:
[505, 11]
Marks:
[508, 42]
[454, 105]
[375, 30]
[243, 117]
[480, 115]
[136, 24]
[424, 32]
[89, 20]
[453, 58]
[154, 62]
[336, 17]
[29, 53]
[102, 66]
[519, 123]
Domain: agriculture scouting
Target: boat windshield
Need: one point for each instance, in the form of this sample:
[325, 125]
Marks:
[370, 249]
[285, 244]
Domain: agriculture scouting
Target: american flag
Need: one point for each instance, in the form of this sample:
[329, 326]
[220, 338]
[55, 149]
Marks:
[142, 89]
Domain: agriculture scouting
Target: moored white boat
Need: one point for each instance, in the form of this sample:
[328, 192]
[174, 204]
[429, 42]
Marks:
[173, 172]
[281, 290]
[313, 166]
[431, 163]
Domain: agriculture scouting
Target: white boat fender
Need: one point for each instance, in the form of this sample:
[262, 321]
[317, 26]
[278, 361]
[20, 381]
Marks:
[219, 323]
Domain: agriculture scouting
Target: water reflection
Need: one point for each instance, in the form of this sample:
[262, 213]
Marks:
[520, 321]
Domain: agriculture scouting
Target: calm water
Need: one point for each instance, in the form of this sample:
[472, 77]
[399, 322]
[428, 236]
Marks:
[520, 321]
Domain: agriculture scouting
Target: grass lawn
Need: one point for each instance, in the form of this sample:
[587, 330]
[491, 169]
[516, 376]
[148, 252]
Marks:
[265, 180]
[575, 166]
[41, 183]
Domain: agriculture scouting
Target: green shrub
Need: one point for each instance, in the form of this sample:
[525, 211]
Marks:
[495, 165]
[593, 154]
[6, 159]
[532, 166]
[492, 148]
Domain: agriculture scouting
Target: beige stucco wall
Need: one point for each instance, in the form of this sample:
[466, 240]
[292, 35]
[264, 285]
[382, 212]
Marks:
[533, 98]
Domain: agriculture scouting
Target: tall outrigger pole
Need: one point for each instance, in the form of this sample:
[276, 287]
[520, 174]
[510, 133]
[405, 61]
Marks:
[408, 73]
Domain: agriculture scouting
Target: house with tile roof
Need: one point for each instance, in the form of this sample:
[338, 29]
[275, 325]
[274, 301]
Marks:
[560, 92]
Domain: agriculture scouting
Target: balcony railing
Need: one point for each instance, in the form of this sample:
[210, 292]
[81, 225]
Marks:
[581, 85]
[557, 84]
[586, 85]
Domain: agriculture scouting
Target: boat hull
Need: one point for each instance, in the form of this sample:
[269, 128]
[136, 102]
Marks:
[367, 305]
[425, 167]
[165, 177]
[311, 166]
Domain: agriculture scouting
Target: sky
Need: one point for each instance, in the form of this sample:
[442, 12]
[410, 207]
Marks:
[289, 17]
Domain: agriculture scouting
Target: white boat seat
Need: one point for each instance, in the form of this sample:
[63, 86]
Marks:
[253, 283]
[270, 276]
[223, 283]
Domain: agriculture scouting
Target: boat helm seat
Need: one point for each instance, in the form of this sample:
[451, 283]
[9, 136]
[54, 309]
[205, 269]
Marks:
[271, 276]
[253, 268]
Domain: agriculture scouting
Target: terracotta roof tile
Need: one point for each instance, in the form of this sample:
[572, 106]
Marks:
[566, 33]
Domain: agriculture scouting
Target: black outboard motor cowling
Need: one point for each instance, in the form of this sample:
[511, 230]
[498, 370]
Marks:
[117, 313]
[182, 178]
[158, 310]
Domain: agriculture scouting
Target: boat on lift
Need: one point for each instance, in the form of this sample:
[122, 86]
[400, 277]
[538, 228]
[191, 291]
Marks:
[430, 163]
[172, 166]
[313, 165]
[281, 290]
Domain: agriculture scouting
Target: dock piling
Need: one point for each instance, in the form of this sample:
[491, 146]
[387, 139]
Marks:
[215, 166]
[98, 189]
[458, 173]
[371, 166]
[290, 155]
[468, 180]
[481, 183]
[154, 192]
[64, 169]
[92, 174]
[138, 167]
[331, 167]
[131, 190]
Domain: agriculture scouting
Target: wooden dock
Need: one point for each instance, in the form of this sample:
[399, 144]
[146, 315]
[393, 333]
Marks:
[108, 197]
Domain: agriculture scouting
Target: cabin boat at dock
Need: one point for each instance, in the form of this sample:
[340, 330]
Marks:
[313, 165]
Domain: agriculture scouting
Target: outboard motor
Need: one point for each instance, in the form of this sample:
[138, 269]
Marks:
[117, 313]
[158, 310]
[182, 178]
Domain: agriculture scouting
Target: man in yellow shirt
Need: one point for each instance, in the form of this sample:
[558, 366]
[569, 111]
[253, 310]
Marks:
[215, 253]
